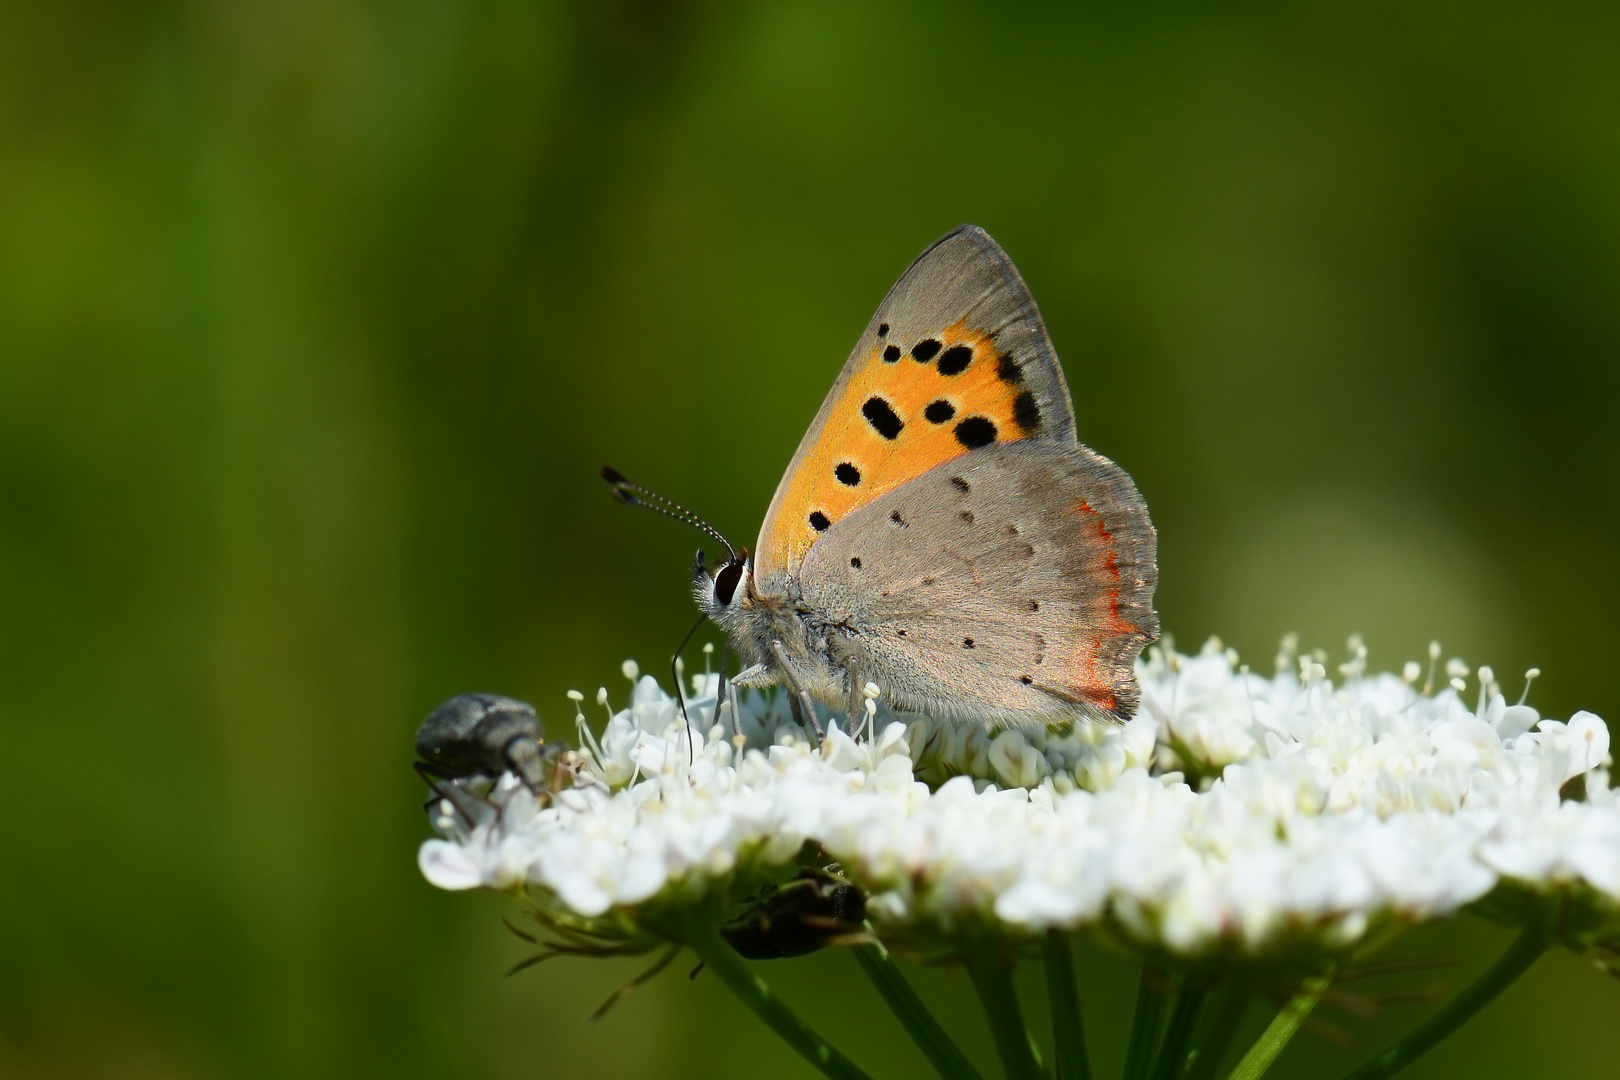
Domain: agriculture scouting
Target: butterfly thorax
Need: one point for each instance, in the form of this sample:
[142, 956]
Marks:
[758, 619]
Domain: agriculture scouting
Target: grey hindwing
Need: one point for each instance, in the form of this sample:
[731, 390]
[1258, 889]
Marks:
[1012, 585]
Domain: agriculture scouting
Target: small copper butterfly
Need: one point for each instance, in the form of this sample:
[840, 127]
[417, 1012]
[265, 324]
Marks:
[941, 531]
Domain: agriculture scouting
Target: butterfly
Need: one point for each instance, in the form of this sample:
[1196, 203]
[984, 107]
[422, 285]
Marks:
[941, 531]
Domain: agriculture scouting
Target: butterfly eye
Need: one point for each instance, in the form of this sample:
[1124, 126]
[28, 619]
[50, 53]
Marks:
[725, 582]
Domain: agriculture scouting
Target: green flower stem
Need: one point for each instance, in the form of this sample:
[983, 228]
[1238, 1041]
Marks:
[941, 1052]
[1178, 1036]
[991, 975]
[729, 968]
[1453, 1014]
[1144, 1025]
[1068, 1032]
[1222, 1016]
[1281, 1029]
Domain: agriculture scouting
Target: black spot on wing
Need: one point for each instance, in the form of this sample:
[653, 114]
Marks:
[847, 474]
[939, 411]
[881, 417]
[818, 521]
[960, 484]
[1008, 370]
[954, 360]
[894, 516]
[974, 432]
[891, 353]
[924, 350]
[1025, 679]
[967, 516]
[855, 562]
[967, 643]
[1026, 412]
[883, 329]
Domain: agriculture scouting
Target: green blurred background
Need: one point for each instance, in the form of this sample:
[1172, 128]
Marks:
[317, 319]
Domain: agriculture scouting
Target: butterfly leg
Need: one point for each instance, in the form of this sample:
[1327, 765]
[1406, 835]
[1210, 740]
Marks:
[722, 688]
[728, 694]
[856, 705]
[800, 692]
[730, 687]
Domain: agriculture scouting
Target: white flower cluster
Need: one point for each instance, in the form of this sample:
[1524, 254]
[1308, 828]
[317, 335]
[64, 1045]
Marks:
[1233, 812]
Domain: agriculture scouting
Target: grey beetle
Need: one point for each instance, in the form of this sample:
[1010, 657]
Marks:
[482, 735]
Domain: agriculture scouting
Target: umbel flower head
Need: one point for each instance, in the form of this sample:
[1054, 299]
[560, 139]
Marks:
[1235, 816]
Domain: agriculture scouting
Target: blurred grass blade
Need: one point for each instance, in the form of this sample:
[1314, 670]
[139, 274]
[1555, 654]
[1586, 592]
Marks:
[943, 1053]
[1281, 1029]
[721, 959]
[1145, 1024]
[1219, 1027]
[1178, 1036]
[1068, 1028]
[1518, 958]
[991, 975]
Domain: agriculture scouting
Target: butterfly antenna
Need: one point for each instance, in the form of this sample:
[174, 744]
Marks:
[636, 495]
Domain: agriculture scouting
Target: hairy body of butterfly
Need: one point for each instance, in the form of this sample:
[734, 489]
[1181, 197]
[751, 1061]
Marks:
[941, 530]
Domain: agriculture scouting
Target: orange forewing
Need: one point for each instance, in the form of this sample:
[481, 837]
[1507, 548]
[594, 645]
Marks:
[908, 387]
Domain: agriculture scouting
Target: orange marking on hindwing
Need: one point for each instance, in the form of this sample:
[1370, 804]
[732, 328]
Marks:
[1083, 509]
[906, 388]
[1091, 682]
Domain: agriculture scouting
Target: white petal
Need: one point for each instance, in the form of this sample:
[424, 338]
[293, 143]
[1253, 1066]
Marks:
[449, 866]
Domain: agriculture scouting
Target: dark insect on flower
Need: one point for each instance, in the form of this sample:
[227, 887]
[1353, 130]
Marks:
[814, 910]
[483, 735]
